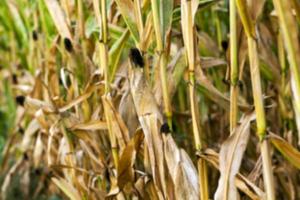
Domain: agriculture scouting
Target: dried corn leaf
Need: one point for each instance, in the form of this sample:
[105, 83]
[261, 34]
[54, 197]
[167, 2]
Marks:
[32, 128]
[89, 91]
[128, 112]
[116, 125]
[231, 154]
[90, 126]
[181, 169]
[126, 8]
[184, 187]
[38, 150]
[67, 188]
[127, 160]
[143, 98]
[151, 126]
[241, 182]
[58, 18]
[150, 119]
[286, 149]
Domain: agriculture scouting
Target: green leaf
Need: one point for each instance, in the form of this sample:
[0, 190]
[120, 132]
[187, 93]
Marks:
[206, 3]
[115, 54]
[126, 8]
[166, 13]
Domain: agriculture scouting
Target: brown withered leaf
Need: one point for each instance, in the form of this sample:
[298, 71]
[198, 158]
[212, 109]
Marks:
[88, 92]
[243, 183]
[184, 188]
[181, 169]
[286, 149]
[90, 126]
[67, 188]
[127, 160]
[89, 151]
[231, 155]
[143, 98]
[32, 128]
[127, 111]
[150, 119]
[115, 124]
[38, 150]
[151, 127]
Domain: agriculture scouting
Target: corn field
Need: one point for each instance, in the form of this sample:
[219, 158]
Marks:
[149, 99]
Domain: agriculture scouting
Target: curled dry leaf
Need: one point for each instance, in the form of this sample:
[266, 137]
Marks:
[115, 124]
[28, 135]
[78, 99]
[231, 155]
[150, 120]
[58, 18]
[142, 95]
[181, 169]
[243, 183]
[67, 188]
[90, 126]
[286, 149]
[127, 160]
[38, 150]
[151, 128]
[128, 112]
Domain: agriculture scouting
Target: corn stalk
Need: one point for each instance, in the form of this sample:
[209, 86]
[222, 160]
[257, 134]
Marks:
[162, 58]
[233, 67]
[187, 24]
[249, 27]
[289, 31]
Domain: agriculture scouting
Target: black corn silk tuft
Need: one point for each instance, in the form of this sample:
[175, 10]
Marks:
[35, 35]
[225, 81]
[165, 128]
[15, 79]
[21, 130]
[68, 45]
[136, 57]
[241, 85]
[224, 44]
[20, 100]
[38, 171]
[25, 156]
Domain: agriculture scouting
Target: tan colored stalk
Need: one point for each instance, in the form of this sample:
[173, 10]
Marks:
[102, 21]
[190, 49]
[80, 19]
[104, 62]
[162, 61]
[138, 14]
[260, 118]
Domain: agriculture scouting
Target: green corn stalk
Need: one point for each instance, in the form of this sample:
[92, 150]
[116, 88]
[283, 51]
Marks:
[289, 31]
[258, 98]
[162, 59]
[233, 67]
